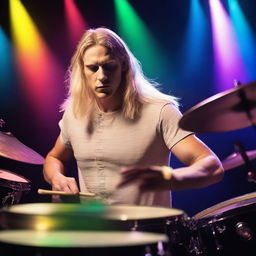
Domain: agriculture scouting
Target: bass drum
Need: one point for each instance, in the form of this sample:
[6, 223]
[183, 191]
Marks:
[228, 228]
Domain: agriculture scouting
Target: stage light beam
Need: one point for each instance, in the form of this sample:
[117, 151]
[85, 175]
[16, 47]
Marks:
[76, 25]
[139, 39]
[244, 36]
[38, 71]
[228, 61]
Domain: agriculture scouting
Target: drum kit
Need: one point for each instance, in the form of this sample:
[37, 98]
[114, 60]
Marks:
[13, 185]
[94, 228]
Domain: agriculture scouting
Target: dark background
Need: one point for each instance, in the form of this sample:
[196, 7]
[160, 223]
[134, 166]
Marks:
[167, 21]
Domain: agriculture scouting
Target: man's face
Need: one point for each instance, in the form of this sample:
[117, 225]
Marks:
[103, 72]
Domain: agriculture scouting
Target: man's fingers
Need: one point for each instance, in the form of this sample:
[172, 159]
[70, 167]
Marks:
[67, 184]
[73, 186]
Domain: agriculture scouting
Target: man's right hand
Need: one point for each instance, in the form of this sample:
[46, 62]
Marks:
[63, 183]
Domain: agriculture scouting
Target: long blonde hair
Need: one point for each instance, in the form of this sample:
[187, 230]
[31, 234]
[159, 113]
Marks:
[138, 89]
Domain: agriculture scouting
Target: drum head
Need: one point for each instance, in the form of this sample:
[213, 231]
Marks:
[128, 212]
[229, 205]
[117, 212]
[55, 216]
[55, 209]
[82, 239]
[89, 216]
[7, 175]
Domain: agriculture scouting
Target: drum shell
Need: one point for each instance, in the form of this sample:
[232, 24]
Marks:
[11, 250]
[175, 227]
[12, 186]
[231, 233]
[89, 244]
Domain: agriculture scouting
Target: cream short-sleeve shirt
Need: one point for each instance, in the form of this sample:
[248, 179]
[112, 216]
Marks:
[109, 142]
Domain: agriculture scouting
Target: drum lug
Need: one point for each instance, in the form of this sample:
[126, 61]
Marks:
[195, 244]
[135, 226]
[219, 229]
[216, 230]
[243, 231]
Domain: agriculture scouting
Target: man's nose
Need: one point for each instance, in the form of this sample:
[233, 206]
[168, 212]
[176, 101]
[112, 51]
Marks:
[102, 76]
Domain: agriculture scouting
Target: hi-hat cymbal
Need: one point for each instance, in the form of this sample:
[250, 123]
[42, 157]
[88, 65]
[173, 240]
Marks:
[235, 159]
[12, 148]
[226, 111]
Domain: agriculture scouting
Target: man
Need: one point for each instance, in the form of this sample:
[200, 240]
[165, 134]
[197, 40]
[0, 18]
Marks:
[121, 131]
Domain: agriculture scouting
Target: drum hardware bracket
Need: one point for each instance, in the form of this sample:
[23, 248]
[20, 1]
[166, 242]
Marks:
[15, 196]
[9, 195]
[2, 122]
[195, 244]
[245, 104]
[251, 174]
[135, 226]
[217, 230]
[160, 249]
[176, 225]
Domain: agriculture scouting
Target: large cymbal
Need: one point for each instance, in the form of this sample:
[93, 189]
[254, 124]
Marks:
[12, 148]
[235, 159]
[225, 111]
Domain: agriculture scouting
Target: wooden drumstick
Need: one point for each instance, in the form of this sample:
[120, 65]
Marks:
[63, 193]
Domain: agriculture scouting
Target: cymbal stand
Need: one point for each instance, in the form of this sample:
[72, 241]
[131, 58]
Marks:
[245, 104]
[2, 122]
[251, 175]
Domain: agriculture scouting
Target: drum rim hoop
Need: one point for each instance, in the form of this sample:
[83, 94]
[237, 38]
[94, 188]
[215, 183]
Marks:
[15, 174]
[206, 213]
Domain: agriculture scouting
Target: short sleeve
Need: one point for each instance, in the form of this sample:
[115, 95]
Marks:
[63, 124]
[171, 132]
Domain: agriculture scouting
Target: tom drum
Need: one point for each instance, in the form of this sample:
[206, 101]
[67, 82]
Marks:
[229, 228]
[12, 186]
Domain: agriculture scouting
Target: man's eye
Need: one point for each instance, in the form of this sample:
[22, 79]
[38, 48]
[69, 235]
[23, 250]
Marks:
[93, 68]
[109, 67]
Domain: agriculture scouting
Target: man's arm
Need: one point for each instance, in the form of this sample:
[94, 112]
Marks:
[203, 166]
[54, 168]
[203, 169]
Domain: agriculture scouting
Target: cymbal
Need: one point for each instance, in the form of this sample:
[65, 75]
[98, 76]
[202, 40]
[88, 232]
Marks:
[12, 148]
[225, 111]
[235, 159]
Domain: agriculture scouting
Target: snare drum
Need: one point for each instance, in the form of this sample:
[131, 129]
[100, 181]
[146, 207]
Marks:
[229, 228]
[99, 217]
[11, 187]
[91, 243]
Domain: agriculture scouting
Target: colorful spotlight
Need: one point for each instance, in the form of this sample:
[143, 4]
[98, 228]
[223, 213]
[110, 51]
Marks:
[74, 21]
[39, 72]
[229, 64]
